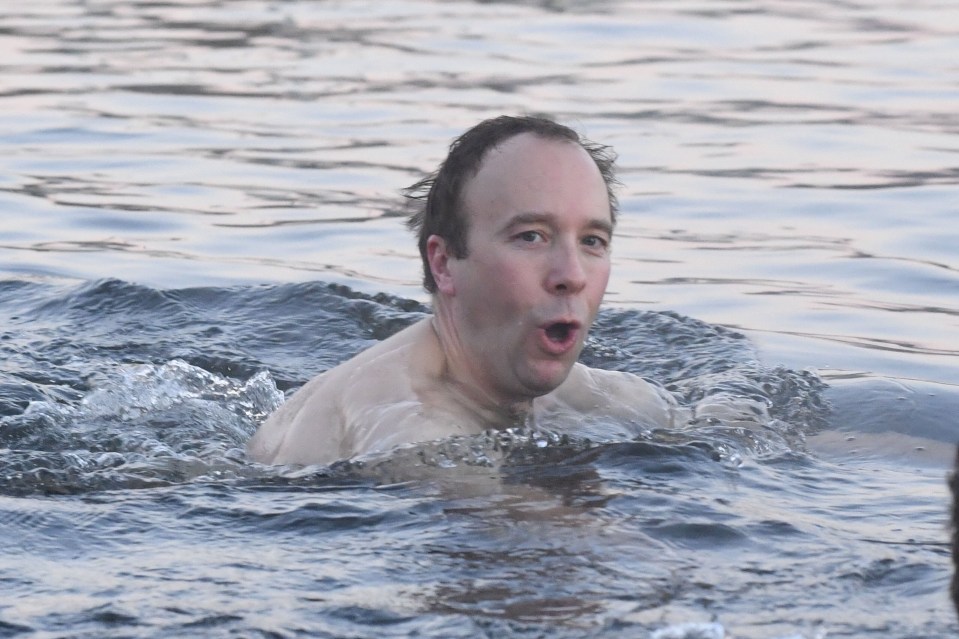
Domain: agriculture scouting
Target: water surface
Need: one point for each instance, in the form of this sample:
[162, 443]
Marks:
[199, 211]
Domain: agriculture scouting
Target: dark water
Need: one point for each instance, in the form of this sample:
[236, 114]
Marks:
[129, 508]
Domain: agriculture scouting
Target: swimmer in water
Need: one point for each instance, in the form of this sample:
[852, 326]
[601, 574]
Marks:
[515, 231]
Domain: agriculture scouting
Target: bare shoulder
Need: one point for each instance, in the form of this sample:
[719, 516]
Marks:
[617, 394]
[585, 380]
[274, 440]
[311, 427]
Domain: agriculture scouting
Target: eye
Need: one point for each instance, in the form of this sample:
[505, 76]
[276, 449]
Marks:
[530, 236]
[596, 242]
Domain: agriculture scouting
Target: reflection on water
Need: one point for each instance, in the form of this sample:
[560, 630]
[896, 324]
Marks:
[787, 169]
[789, 173]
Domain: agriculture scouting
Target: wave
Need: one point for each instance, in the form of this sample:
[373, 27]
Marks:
[113, 385]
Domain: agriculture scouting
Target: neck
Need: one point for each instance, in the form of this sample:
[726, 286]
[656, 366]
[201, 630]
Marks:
[467, 384]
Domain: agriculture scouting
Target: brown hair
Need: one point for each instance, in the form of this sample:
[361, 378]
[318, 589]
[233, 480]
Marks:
[438, 196]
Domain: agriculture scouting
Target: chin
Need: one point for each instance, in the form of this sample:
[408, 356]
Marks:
[547, 381]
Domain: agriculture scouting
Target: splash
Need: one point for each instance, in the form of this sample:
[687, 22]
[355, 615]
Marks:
[118, 386]
[140, 425]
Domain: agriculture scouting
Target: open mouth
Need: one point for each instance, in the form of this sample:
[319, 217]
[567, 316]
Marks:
[560, 331]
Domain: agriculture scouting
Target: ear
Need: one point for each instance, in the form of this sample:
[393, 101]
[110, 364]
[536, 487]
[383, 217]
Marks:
[438, 255]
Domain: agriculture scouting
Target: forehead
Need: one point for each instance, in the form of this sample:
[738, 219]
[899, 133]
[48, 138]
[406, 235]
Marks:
[528, 173]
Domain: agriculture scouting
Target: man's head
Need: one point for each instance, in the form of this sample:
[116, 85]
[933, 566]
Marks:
[517, 288]
[440, 195]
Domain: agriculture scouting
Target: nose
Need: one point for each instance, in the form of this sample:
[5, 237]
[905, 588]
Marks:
[567, 273]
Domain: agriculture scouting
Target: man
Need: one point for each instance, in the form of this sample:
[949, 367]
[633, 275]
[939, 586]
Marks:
[515, 239]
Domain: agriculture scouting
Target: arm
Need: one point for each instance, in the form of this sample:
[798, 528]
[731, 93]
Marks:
[624, 397]
[306, 429]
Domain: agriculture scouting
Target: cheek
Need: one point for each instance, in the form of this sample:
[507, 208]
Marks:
[484, 288]
[601, 273]
[503, 277]
[501, 305]
[598, 285]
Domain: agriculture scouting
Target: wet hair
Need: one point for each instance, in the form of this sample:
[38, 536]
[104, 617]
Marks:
[438, 198]
[954, 519]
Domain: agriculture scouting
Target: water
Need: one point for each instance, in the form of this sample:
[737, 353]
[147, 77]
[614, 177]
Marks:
[199, 211]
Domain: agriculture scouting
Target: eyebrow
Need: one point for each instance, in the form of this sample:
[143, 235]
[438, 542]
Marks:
[545, 218]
